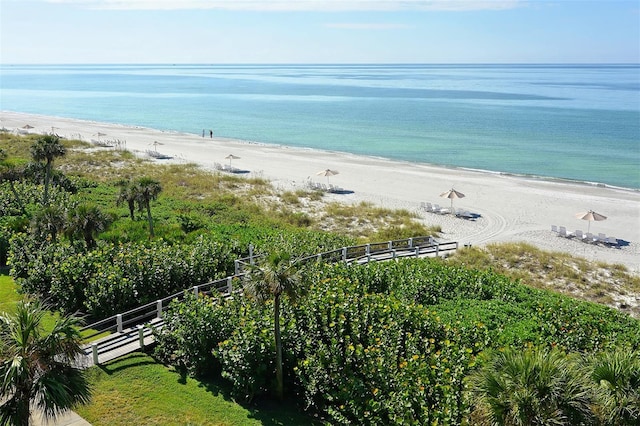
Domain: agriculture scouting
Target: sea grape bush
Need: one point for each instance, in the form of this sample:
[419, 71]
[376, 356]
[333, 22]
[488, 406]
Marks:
[516, 315]
[373, 359]
[428, 281]
[247, 356]
[114, 278]
[193, 328]
[581, 326]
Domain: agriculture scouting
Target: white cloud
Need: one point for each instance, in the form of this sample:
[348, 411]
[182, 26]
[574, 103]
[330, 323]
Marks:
[299, 5]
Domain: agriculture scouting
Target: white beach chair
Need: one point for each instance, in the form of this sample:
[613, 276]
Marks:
[554, 228]
[589, 238]
[602, 238]
[611, 241]
[578, 234]
[562, 231]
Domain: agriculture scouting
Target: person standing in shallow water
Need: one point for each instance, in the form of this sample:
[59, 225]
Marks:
[211, 134]
[203, 133]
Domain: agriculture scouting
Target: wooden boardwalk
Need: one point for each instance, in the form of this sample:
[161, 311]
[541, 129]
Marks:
[119, 344]
[132, 330]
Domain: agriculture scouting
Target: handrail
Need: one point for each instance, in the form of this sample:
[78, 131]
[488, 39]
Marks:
[351, 254]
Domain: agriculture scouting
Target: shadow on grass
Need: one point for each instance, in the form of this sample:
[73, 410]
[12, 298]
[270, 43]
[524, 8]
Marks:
[267, 411]
[136, 359]
[274, 413]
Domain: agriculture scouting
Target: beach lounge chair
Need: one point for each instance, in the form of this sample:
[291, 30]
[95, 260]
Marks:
[589, 238]
[554, 228]
[562, 231]
[602, 238]
[611, 241]
[578, 234]
[439, 210]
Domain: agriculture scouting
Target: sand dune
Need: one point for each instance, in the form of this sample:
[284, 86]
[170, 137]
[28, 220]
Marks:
[509, 208]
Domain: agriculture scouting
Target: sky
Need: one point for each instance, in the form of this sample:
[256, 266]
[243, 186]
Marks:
[319, 31]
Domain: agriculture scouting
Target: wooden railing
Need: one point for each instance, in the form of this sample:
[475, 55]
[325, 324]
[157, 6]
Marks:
[151, 313]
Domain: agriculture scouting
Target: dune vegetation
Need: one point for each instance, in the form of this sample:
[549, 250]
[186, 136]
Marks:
[416, 341]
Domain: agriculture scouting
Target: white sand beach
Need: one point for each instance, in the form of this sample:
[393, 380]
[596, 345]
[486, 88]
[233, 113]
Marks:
[510, 208]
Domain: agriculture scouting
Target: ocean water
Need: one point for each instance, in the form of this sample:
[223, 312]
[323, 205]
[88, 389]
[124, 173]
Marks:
[575, 122]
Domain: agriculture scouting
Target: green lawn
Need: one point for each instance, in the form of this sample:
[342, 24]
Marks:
[9, 296]
[135, 390]
[8, 293]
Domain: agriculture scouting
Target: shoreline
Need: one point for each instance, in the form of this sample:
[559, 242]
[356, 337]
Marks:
[511, 207]
[345, 153]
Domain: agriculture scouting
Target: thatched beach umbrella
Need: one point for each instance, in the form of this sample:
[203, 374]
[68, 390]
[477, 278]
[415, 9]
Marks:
[28, 126]
[231, 157]
[590, 216]
[451, 194]
[327, 173]
[99, 135]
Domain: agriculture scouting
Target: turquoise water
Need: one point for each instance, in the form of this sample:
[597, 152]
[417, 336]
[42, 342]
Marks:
[578, 122]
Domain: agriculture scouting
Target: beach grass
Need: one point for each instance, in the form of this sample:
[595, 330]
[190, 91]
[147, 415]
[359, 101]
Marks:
[189, 189]
[136, 390]
[604, 283]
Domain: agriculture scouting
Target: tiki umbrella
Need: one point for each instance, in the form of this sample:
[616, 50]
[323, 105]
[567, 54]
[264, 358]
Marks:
[99, 135]
[327, 173]
[451, 194]
[590, 216]
[155, 145]
[231, 157]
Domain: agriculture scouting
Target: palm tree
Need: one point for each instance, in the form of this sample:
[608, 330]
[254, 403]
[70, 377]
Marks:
[532, 387]
[47, 148]
[147, 190]
[274, 278]
[36, 367]
[11, 171]
[616, 381]
[86, 220]
[48, 220]
[127, 195]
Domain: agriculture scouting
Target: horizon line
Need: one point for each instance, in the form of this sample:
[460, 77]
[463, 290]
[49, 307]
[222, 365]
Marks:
[313, 63]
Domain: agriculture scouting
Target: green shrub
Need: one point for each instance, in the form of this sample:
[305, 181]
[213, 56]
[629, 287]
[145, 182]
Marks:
[247, 356]
[373, 359]
[193, 327]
